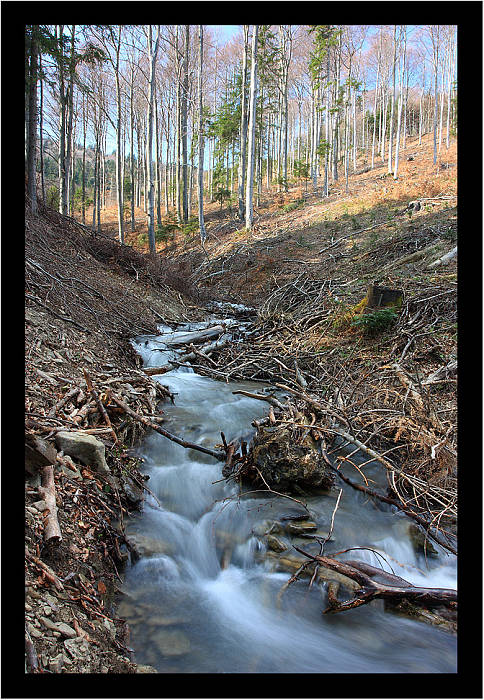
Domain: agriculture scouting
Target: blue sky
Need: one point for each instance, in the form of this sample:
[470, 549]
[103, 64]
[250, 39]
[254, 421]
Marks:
[227, 31]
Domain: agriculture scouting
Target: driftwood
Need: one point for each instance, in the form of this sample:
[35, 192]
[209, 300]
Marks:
[370, 589]
[442, 373]
[221, 456]
[52, 532]
[50, 575]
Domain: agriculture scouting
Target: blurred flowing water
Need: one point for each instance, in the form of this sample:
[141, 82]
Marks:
[205, 596]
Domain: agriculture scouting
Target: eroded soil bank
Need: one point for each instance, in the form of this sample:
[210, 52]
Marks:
[83, 304]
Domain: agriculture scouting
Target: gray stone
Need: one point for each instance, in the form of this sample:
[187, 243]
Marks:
[86, 448]
[56, 663]
[77, 647]
[61, 627]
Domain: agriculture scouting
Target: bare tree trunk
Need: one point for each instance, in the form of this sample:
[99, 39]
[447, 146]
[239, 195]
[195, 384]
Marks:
[41, 130]
[83, 184]
[249, 210]
[62, 125]
[184, 129]
[131, 155]
[243, 126]
[157, 165]
[201, 144]
[390, 137]
[32, 124]
[70, 93]
[149, 140]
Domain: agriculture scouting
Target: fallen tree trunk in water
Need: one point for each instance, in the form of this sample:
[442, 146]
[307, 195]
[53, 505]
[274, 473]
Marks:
[205, 350]
[370, 589]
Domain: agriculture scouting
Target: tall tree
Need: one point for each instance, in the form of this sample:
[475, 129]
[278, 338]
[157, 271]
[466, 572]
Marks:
[153, 53]
[249, 192]
[32, 118]
[243, 126]
[201, 222]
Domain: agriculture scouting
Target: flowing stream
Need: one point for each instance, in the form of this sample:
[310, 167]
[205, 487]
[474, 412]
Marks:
[205, 596]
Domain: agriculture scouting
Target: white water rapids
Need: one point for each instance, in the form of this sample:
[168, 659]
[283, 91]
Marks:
[205, 596]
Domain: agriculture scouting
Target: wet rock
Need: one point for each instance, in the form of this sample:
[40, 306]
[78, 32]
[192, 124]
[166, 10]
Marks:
[165, 621]
[285, 464]
[133, 492]
[172, 643]
[143, 546]
[275, 544]
[421, 543]
[86, 448]
[300, 528]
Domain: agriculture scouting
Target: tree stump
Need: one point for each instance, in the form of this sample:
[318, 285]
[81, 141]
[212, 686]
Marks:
[382, 297]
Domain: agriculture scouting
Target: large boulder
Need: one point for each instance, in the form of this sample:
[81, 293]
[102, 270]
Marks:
[286, 464]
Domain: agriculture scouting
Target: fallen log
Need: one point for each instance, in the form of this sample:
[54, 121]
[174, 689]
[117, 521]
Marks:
[370, 589]
[52, 531]
[187, 357]
[195, 336]
[444, 259]
[221, 456]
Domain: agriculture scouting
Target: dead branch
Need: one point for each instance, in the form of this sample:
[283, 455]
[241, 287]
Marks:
[371, 589]
[99, 404]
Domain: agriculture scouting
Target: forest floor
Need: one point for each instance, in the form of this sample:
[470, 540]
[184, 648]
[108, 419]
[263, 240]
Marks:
[305, 267]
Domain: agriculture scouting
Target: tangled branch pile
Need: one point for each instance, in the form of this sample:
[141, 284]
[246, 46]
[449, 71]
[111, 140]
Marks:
[390, 393]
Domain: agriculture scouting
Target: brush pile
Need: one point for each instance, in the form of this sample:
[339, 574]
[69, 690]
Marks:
[387, 389]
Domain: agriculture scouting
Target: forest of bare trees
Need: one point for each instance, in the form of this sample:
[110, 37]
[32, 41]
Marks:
[165, 118]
